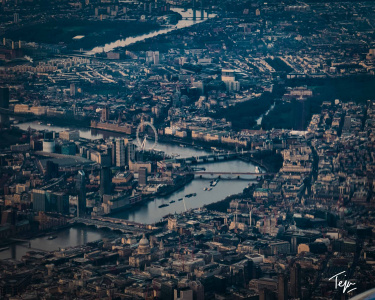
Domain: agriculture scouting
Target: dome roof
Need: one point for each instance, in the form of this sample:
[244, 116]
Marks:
[144, 241]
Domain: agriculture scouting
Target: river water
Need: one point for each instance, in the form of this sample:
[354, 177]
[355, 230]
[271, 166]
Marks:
[131, 40]
[71, 237]
[150, 212]
[146, 212]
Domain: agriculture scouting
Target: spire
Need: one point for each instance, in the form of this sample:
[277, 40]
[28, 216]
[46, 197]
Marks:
[161, 245]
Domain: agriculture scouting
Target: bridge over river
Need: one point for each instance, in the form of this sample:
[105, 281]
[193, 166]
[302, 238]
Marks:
[124, 226]
[221, 156]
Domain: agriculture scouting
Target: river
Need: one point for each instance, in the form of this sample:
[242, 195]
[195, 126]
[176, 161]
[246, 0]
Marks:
[259, 120]
[131, 40]
[150, 212]
[94, 134]
[147, 212]
[71, 237]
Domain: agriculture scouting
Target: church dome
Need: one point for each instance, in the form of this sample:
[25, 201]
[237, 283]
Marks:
[144, 246]
[144, 241]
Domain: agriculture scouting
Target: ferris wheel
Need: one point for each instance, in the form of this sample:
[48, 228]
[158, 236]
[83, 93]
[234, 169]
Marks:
[142, 140]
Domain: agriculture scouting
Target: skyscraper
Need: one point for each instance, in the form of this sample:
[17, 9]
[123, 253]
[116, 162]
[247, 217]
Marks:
[156, 56]
[61, 202]
[38, 198]
[81, 190]
[105, 181]
[4, 97]
[52, 170]
[120, 153]
[130, 151]
[295, 281]
[142, 176]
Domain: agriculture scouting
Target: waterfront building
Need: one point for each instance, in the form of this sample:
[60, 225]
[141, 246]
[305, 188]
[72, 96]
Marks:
[69, 135]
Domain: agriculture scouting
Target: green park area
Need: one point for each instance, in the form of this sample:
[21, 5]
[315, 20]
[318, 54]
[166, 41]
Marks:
[357, 89]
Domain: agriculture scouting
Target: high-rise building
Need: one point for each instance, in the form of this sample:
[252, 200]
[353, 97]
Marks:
[295, 281]
[142, 176]
[48, 135]
[229, 78]
[184, 293]
[167, 290]
[52, 170]
[105, 181]
[130, 151]
[61, 202]
[156, 56]
[282, 288]
[49, 146]
[4, 97]
[39, 200]
[112, 151]
[120, 153]
[68, 148]
[16, 18]
[69, 135]
[81, 190]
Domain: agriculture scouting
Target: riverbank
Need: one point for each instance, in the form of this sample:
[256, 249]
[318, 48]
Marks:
[94, 32]
[170, 190]
[32, 235]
